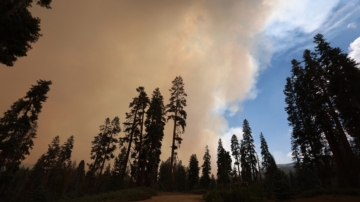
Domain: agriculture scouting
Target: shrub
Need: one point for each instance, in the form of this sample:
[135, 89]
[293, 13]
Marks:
[135, 194]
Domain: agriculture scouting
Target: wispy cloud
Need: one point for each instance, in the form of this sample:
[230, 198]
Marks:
[351, 25]
[340, 17]
[293, 23]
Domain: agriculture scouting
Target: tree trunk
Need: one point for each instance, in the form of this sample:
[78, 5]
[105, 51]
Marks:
[342, 139]
[140, 173]
[128, 150]
[170, 188]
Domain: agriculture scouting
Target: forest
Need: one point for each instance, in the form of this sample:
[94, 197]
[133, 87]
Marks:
[322, 96]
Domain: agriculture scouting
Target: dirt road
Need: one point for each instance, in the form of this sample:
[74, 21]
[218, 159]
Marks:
[165, 197]
[181, 197]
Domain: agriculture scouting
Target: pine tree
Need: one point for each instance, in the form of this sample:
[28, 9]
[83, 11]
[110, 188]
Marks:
[45, 164]
[212, 182]
[248, 155]
[18, 126]
[105, 182]
[180, 176]
[178, 115]
[281, 186]
[52, 167]
[234, 174]
[268, 167]
[155, 123]
[64, 158]
[144, 102]
[235, 152]
[193, 174]
[79, 179]
[103, 147]
[322, 104]
[18, 29]
[268, 162]
[342, 87]
[223, 164]
[119, 164]
[206, 169]
[164, 174]
[133, 128]
[308, 143]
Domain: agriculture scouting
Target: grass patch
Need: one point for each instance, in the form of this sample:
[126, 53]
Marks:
[135, 194]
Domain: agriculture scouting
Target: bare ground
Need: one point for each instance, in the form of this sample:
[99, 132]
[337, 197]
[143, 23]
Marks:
[181, 197]
[327, 198]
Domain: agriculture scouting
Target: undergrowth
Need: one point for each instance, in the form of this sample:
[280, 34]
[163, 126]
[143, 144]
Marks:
[135, 194]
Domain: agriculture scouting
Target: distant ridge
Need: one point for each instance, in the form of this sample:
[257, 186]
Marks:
[286, 167]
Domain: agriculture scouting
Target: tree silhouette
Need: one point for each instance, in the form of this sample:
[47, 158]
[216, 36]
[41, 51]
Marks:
[248, 155]
[323, 107]
[224, 165]
[51, 167]
[235, 152]
[133, 127]
[18, 126]
[177, 113]
[206, 169]
[268, 162]
[103, 147]
[193, 174]
[155, 123]
[119, 164]
[18, 28]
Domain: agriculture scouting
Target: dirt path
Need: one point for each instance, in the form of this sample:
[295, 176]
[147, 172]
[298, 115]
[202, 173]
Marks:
[165, 197]
[181, 197]
[326, 198]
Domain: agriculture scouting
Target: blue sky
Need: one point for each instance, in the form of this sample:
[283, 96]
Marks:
[337, 21]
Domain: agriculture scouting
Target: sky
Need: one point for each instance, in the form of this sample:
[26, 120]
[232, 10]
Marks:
[234, 57]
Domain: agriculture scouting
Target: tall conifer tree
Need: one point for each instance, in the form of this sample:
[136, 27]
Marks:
[103, 147]
[144, 102]
[155, 123]
[248, 154]
[206, 169]
[235, 152]
[193, 174]
[133, 126]
[268, 162]
[177, 113]
[18, 126]
[323, 114]
[119, 164]
[223, 164]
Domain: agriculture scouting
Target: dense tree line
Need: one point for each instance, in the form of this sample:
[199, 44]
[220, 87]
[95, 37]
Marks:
[322, 97]
[55, 175]
[137, 164]
[267, 174]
